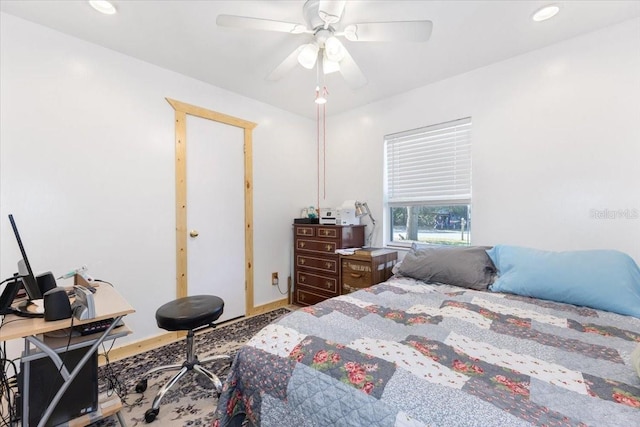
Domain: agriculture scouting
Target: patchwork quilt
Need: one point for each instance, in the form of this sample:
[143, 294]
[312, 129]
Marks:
[404, 353]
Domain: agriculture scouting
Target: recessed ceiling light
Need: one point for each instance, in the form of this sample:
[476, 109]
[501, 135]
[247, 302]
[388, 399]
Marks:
[103, 6]
[546, 13]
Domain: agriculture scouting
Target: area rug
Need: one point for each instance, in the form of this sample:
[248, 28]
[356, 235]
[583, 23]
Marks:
[192, 401]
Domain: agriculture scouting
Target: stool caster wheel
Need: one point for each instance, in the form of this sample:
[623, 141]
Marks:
[150, 415]
[141, 386]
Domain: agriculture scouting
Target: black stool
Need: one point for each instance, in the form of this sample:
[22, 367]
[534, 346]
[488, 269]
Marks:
[185, 314]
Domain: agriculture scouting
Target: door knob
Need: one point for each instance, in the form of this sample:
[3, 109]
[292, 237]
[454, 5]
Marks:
[194, 233]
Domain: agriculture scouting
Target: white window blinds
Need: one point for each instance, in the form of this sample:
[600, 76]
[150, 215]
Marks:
[429, 165]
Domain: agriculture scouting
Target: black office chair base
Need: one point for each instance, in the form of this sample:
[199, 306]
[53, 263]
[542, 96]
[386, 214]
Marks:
[150, 415]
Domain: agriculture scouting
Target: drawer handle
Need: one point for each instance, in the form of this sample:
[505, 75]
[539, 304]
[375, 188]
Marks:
[329, 247]
[328, 284]
[301, 244]
[301, 297]
[355, 275]
[302, 260]
[303, 278]
[328, 264]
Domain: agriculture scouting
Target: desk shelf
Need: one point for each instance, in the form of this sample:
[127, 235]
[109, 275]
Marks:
[107, 406]
[59, 345]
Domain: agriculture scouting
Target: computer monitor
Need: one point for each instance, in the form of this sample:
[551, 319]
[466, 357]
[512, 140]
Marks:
[8, 295]
[29, 281]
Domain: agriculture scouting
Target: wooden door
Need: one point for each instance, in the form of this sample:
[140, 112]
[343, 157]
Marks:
[215, 213]
[182, 111]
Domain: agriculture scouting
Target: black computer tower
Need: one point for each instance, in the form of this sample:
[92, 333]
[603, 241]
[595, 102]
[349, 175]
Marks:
[44, 381]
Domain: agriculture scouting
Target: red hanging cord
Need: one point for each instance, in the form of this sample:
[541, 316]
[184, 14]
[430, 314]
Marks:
[318, 155]
[324, 147]
[322, 95]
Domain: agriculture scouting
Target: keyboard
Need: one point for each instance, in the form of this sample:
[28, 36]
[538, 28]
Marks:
[94, 327]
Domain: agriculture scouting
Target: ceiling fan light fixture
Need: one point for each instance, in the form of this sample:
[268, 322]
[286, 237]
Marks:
[308, 55]
[103, 6]
[329, 66]
[334, 49]
[545, 13]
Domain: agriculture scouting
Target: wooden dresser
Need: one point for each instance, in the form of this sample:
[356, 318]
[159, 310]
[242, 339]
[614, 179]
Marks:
[316, 264]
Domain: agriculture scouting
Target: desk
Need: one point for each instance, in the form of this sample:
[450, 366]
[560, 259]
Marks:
[108, 304]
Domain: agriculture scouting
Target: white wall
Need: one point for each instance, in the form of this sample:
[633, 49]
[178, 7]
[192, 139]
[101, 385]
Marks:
[87, 155]
[87, 166]
[556, 134]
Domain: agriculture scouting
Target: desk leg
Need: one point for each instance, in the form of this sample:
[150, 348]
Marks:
[123, 423]
[68, 378]
[25, 387]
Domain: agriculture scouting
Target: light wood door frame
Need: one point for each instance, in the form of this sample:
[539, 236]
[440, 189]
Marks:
[181, 111]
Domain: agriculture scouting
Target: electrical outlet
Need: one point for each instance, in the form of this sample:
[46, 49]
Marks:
[274, 279]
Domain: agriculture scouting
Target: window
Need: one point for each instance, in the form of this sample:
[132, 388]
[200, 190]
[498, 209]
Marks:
[428, 184]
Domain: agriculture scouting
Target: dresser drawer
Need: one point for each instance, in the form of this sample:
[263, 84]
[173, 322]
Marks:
[329, 233]
[307, 231]
[324, 283]
[306, 297]
[318, 246]
[356, 275]
[327, 265]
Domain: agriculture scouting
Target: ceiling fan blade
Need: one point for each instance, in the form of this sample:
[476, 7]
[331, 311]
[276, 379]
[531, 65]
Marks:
[414, 31]
[330, 11]
[245, 22]
[329, 66]
[285, 66]
[351, 72]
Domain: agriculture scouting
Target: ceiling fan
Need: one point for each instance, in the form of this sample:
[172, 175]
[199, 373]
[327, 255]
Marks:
[322, 19]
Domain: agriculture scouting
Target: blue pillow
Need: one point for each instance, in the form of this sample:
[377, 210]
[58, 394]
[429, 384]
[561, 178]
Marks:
[602, 279]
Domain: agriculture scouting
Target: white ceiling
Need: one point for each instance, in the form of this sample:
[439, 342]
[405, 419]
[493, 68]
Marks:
[182, 36]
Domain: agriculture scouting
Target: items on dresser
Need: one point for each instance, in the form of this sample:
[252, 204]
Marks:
[316, 264]
[366, 267]
[328, 216]
[344, 215]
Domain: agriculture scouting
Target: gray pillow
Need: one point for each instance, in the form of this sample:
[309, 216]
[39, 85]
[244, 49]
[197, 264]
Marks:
[467, 267]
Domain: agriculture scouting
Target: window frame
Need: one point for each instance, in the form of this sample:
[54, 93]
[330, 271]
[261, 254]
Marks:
[423, 140]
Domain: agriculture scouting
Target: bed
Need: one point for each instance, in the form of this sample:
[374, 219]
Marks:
[410, 353]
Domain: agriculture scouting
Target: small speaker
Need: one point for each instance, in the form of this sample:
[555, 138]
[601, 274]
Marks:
[46, 282]
[56, 305]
